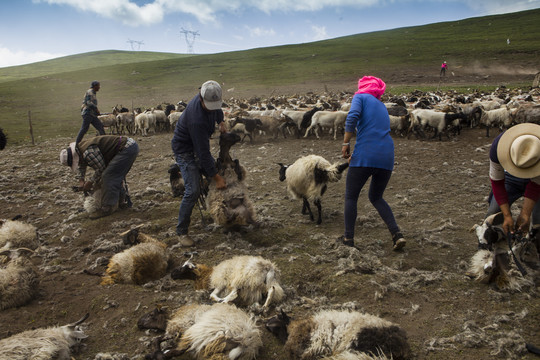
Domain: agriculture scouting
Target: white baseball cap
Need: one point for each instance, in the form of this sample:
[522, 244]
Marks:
[211, 95]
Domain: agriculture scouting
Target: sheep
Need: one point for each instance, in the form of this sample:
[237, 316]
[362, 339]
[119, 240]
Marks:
[219, 332]
[109, 120]
[245, 278]
[45, 343]
[527, 114]
[272, 126]
[333, 332]
[173, 118]
[307, 118]
[3, 139]
[399, 124]
[296, 117]
[230, 207]
[175, 178]
[144, 122]
[331, 119]
[500, 118]
[439, 121]
[18, 279]
[125, 121]
[494, 262]
[148, 260]
[307, 179]
[18, 234]
[246, 126]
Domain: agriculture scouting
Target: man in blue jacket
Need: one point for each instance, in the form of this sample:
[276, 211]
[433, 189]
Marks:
[191, 148]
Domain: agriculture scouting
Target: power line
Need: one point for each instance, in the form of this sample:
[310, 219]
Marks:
[190, 37]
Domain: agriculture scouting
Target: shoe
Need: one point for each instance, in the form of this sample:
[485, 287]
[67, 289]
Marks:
[104, 211]
[185, 240]
[341, 240]
[399, 241]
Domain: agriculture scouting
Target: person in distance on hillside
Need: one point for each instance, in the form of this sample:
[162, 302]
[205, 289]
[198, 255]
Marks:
[373, 156]
[191, 147]
[514, 172]
[90, 112]
[444, 66]
[111, 157]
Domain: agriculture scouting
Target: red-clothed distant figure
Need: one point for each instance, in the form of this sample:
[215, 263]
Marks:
[444, 66]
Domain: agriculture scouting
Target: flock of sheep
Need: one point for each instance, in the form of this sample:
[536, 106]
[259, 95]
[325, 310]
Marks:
[225, 330]
[439, 113]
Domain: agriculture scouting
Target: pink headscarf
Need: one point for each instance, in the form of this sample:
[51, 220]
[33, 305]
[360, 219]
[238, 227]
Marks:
[371, 85]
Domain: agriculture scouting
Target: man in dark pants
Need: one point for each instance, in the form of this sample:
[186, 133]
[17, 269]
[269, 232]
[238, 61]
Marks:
[111, 157]
[191, 147]
[90, 112]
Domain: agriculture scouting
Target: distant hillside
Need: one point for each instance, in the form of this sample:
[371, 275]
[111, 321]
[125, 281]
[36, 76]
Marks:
[81, 61]
[476, 50]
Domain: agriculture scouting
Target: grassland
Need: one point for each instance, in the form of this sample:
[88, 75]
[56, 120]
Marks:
[407, 58]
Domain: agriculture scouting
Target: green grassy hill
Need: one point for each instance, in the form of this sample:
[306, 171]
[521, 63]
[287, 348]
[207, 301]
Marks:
[406, 58]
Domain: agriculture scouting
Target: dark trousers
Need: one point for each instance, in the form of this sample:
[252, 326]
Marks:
[189, 167]
[87, 120]
[115, 173]
[356, 178]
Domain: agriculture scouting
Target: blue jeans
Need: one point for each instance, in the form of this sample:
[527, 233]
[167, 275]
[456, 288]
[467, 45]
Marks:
[356, 178]
[189, 167]
[515, 188]
[87, 120]
[115, 173]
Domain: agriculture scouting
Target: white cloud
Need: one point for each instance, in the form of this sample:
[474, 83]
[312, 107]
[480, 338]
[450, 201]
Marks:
[207, 11]
[12, 58]
[260, 32]
[319, 33]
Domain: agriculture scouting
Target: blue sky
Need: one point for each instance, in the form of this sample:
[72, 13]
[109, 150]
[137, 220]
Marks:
[35, 30]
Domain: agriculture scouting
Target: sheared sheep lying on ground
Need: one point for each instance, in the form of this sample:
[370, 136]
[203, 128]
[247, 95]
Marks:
[18, 278]
[18, 234]
[307, 179]
[231, 206]
[332, 332]
[494, 262]
[216, 332]
[47, 344]
[148, 260]
[247, 278]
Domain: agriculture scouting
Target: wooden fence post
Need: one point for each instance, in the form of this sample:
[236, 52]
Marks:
[30, 123]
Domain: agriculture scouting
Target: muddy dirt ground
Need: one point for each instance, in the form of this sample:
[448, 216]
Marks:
[438, 192]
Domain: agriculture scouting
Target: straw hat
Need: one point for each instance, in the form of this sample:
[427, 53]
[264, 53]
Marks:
[70, 157]
[519, 150]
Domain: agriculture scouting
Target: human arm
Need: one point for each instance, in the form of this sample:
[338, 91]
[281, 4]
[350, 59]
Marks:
[94, 158]
[346, 146]
[222, 127]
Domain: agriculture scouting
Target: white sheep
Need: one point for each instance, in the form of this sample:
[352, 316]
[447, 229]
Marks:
[500, 118]
[231, 206]
[18, 234]
[307, 179]
[43, 344]
[333, 332]
[125, 121]
[246, 278]
[173, 118]
[399, 124]
[220, 331]
[18, 279]
[145, 122]
[327, 119]
[439, 121]
[148, 260]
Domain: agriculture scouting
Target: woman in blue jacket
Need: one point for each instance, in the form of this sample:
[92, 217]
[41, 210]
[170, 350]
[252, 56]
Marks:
[373, 156]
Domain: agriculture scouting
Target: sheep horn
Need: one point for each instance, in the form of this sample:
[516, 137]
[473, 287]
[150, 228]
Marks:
[79, 321]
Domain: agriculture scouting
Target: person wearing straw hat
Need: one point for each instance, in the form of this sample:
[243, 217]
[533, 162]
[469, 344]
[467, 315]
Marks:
[111, 157]
[514, 172]
[373, 156]
[191, 147]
